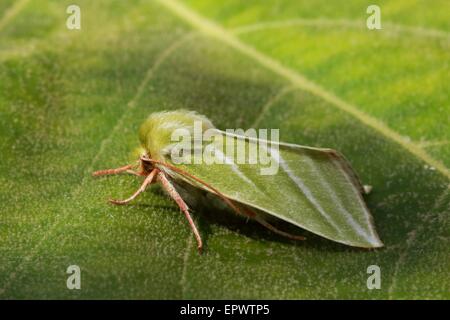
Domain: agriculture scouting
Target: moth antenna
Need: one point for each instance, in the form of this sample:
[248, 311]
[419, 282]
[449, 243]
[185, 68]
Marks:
[112, 171]
[148, 180]
[183, 206]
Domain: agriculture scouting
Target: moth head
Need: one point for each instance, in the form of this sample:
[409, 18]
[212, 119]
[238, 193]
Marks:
[157, 133]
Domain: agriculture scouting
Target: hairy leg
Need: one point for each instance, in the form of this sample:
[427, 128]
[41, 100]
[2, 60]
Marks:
[187, 174]
[167, 185]
[245, 211]
[112, 171]
[135, 173]
[148, 180]
[261, 221]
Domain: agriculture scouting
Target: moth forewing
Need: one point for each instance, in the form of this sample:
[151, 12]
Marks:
[314, 189]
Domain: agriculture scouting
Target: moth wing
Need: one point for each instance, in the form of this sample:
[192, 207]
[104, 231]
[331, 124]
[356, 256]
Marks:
[312, 188]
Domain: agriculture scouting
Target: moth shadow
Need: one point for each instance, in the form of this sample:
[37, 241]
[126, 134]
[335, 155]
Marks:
[209, 216]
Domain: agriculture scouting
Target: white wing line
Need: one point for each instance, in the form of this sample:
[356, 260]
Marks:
[358, 196]
[356, 226]
[234, 167]
[299, 182]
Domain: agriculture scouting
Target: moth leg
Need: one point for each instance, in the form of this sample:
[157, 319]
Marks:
[139, 174]
[261, 221]
[112, 171]
[148, 180]
[183, 206]
[277, 231]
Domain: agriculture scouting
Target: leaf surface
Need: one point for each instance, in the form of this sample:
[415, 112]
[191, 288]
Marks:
[72, 101]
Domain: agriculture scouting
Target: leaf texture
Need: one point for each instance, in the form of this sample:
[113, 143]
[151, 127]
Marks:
[72, 101]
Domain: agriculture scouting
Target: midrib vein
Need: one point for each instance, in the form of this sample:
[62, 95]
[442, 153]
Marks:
[162, 57]
[388, 27]
[214, 30]
[11, 12]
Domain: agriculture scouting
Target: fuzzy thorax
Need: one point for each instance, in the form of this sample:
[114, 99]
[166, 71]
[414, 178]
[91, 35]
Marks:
[156, 133]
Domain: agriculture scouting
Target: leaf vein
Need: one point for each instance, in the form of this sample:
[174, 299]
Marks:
[212, 29]
[131, 104]
[412, 235]
[266, 107]
[183, 281]
[344, 23]
[12, 12]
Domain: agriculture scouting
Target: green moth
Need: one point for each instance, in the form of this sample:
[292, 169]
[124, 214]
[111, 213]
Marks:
[312, 188]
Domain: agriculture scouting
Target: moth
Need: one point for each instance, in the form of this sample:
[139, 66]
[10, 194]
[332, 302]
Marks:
[315, 189]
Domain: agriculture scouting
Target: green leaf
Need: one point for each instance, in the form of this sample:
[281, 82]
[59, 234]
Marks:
[72, 102]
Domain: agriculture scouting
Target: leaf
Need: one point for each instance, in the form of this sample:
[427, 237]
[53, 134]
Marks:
[72, 101]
